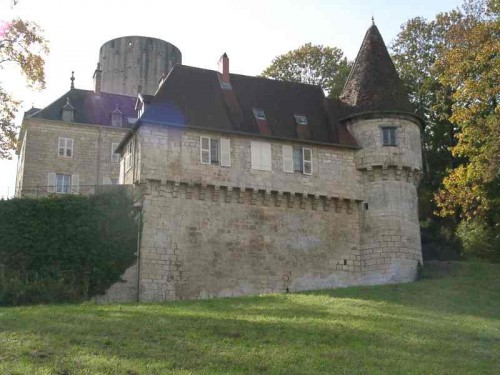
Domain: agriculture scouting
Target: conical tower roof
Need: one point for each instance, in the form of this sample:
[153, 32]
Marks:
[373, 83]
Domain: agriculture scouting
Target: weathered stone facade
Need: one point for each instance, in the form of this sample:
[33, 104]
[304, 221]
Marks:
[91, 156]
[213, 231]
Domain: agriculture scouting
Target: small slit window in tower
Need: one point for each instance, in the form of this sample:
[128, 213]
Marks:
[300, 119]
[259, 114]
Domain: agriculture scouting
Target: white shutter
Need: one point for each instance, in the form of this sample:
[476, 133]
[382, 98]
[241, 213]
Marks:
[69, 147]
[205, 150]
[225, 152]
[60, 146]
[287, 152]
[75, 184]
[307, 160]
[255, 155]
[121, 177]
[265, 156]
[51, 183]
[106, 181]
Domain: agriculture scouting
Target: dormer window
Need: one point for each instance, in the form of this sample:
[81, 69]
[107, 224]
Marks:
[116, 117]
[68, 112]
[300, 119]
[259, 114]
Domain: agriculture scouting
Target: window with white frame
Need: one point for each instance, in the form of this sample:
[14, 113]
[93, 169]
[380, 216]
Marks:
[115, 156]
[261, 155]
[259, 114]
[129, 155]
[63, 183]
[389, 136]
[215, 151]
[300, 119]
[65, 147]
[297, 159]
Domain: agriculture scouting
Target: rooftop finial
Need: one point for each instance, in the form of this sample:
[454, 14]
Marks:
[72, 80]
[373, 20]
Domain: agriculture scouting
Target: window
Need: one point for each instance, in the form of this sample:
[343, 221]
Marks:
[65, 147]
[115, 157]
[215, 151]
[261, 155]
[300, 119]
[114, 181]
[116, 118]
[63, 183]
[109, 181]
[128, 155]
[297, 159]
[389, 136]
[259, 114]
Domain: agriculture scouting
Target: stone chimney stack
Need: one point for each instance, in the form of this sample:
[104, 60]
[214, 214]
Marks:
[224, 68]
[97, 78]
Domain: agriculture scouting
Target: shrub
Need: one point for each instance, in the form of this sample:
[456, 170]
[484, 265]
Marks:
[66, 248]
[477, 239]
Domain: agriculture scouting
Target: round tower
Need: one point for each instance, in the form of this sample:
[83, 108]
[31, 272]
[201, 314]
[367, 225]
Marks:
[133, 64]
[390, 159]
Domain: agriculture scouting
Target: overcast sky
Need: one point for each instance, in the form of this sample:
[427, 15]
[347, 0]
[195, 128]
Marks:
[252, 33]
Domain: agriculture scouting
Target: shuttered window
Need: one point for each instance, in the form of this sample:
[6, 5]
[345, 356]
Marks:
[261, 155]
[215, 151]
[63, 183]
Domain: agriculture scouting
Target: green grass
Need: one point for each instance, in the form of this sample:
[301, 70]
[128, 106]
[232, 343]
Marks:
[447, 323]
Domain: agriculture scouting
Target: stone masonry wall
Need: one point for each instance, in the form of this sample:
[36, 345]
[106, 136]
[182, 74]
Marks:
[201, 242]
[91, 158]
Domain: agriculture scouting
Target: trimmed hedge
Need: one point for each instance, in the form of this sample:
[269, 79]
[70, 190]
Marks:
[64, 249]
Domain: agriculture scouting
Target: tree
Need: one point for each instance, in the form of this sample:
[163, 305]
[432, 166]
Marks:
[21, 46]
[313, 64]
[471, 66]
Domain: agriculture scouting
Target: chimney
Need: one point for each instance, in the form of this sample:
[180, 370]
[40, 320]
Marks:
[224, 68]
[97, 78]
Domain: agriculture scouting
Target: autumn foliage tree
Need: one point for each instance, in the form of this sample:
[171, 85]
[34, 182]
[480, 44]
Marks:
[314, 64]
[22, 46]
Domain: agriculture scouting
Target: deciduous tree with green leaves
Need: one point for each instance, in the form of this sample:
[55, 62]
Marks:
[22, 46]
[314, 64]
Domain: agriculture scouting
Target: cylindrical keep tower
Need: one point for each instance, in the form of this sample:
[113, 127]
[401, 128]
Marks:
[133, 64]
[391, 162]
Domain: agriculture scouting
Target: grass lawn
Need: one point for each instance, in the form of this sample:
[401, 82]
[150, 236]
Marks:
[447, 323]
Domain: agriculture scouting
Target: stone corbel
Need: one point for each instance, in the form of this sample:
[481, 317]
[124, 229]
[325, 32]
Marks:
[175, 189]
[203, 191]
[399, 170]
[303, 199]
[279, 199]
[241, 196]
[267, 197]
[229, 194]
[371, 175]
[189, 190]
[328, 204]
[349, 203]
[385, 172]
[215, 194]
[315, 202]
[338, 205]
[255, 197]
[291, 200]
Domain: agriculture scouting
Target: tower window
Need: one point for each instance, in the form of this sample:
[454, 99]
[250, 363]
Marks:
[389, 136]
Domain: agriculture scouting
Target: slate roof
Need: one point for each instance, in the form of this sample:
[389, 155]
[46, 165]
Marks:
[90, 107]
[193, 97]
[373, 83]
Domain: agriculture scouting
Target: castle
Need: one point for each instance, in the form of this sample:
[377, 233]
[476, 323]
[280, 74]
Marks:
[250, 185]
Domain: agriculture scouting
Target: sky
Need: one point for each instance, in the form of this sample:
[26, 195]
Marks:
[252, 33]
